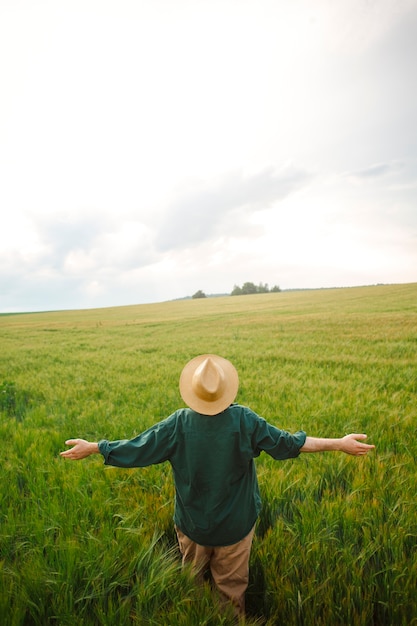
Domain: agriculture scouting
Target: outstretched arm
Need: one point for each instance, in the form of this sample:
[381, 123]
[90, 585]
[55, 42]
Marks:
[81, 449]
[348, 444]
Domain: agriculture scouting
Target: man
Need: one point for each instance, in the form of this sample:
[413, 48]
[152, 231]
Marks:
[211, 447]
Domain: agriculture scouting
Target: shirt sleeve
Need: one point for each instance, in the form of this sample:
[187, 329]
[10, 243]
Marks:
[278, 443]
[154, 445]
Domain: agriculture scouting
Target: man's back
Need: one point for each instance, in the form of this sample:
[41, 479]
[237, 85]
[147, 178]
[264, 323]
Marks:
[212, 460]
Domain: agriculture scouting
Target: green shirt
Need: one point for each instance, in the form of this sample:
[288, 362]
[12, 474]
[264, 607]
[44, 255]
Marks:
[217, 496]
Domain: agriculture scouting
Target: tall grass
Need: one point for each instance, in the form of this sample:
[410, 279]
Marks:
[336, 539]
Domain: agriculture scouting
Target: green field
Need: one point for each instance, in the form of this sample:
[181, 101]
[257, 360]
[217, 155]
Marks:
[84, 544]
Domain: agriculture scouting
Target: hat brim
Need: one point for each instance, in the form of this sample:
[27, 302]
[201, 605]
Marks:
[196, 403]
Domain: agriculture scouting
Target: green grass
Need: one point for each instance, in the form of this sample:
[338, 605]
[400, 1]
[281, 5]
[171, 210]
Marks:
[336, 540]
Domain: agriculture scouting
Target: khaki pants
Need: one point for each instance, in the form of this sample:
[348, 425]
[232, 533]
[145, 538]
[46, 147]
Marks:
[229, 566]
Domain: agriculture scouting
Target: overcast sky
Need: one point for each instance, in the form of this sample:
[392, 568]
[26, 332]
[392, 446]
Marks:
[149, 149]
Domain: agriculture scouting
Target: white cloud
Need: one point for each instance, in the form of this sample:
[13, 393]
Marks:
[376, 170]
[219, 209]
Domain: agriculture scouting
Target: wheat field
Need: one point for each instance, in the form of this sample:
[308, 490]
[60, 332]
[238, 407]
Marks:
[84, 544]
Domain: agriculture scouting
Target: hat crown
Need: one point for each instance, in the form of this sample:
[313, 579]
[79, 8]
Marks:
[208, 381]
[209, 384]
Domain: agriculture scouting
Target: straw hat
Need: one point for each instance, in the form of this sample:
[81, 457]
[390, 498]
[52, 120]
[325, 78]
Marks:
[209, 384]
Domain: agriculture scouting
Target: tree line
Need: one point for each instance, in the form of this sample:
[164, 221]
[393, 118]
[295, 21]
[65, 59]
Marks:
[246, 289]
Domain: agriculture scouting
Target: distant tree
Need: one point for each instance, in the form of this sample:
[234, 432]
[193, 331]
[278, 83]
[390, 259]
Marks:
[248, 288]
[199, 294]
[262, 288]
[275, 289]
[237, 291]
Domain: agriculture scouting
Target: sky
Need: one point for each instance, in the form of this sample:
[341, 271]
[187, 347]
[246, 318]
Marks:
[149, 150]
